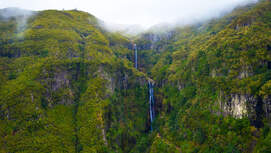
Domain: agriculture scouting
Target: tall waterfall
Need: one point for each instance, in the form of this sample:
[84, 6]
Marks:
[151, 102]
[135, 55]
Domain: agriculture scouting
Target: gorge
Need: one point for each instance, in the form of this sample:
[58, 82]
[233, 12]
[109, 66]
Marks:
[67, 84]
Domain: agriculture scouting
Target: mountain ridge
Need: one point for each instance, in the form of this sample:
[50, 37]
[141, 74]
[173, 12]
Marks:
[69, 85]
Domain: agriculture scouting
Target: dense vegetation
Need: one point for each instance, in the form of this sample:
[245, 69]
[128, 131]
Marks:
[213, 83]
[61, 79]
[68, 85]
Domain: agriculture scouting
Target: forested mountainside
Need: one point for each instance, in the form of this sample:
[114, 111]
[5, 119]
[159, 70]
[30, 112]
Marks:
[68, 85]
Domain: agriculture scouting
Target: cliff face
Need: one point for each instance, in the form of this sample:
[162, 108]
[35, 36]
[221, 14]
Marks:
[62, 77]
[232, 56]
[210, 76]
[67, 85]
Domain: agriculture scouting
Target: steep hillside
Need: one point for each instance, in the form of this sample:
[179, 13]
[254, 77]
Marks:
[67, 85]
[213, 83]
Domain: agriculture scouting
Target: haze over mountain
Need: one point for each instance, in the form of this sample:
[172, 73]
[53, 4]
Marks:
[71, 83]
[145, 13]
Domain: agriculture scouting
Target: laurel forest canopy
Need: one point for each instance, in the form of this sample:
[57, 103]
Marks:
[69, 85]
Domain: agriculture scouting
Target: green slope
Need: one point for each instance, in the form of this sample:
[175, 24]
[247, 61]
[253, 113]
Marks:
[67, 85]
[61, 78]
[213, 84]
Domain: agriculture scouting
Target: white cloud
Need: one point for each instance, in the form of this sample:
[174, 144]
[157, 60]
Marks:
[142, 12]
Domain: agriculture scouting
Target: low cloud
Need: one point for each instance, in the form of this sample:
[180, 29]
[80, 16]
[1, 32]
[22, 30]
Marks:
[164, 15]
[133, 16]
[20, 15]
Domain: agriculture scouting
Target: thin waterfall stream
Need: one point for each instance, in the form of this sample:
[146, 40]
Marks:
[151, 97]
[151, 102]
[135, 48]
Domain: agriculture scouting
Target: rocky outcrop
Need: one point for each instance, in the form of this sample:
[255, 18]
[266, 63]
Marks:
[245, 72]
[244, 105]
[110, 85]
[267, 107]
[155, 41]
[59, 90]
[237, 105]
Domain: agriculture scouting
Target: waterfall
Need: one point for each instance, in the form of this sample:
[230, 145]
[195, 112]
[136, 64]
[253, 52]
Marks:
[135, 55]
[151, 102]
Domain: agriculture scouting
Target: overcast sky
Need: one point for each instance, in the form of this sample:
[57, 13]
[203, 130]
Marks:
[141, 12]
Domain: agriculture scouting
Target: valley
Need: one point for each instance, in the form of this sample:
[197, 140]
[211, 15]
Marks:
[67, 84]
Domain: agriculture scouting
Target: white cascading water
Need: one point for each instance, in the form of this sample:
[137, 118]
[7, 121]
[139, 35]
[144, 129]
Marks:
[151, 99]
[151, 102]
[135, 55]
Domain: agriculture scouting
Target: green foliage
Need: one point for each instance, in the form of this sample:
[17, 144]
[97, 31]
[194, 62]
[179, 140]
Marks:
[57, 79]
[264, 144]
[90, 122]
[162, 146]
[202, 64]
[127, 112]
[66, 85]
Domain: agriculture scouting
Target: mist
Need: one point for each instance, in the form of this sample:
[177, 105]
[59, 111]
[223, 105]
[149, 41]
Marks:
[201, 12]
[135, 16]
[20, 15]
